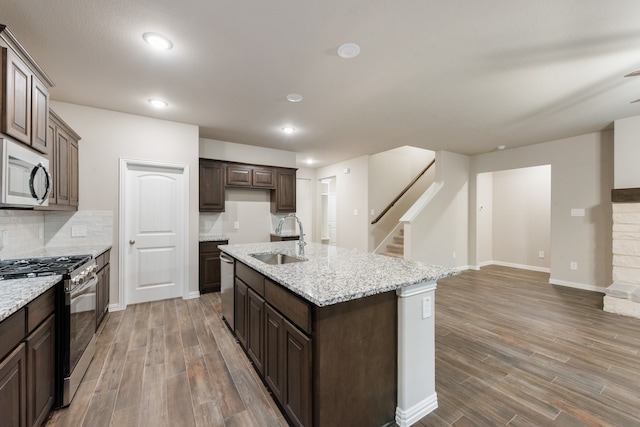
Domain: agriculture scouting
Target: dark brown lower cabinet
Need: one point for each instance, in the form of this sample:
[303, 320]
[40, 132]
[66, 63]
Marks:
[297, 372]
[255, 330]
[323, 365]
[274, 352]
[13, 388]
[40, 372]
[209, 266]
[240, 308]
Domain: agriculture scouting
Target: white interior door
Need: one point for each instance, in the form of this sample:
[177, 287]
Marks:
[153, 242]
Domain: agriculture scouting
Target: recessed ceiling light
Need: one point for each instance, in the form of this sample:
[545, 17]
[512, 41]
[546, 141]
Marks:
[288, 129]
[349, 50]
[157, 41]
[310, 161]
[294, 97]
[158, 103]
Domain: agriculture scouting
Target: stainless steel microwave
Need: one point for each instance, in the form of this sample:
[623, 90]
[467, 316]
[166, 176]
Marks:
[24, 176]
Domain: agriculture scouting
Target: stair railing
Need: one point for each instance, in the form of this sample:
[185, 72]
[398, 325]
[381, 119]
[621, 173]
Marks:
[402, 193]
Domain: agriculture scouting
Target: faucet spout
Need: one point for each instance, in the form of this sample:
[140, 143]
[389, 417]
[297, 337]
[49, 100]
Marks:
[301, 242]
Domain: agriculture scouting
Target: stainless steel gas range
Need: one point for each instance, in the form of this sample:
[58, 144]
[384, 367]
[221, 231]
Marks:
[75, 314]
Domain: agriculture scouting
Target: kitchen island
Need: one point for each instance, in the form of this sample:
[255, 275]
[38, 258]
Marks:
[340, 337]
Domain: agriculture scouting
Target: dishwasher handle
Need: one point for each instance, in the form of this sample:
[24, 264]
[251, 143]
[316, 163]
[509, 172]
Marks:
[225, 258]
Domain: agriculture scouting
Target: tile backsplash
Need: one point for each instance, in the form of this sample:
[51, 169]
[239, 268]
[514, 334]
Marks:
[24, 231]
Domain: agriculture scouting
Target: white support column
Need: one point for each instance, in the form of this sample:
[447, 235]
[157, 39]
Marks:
[416, 353]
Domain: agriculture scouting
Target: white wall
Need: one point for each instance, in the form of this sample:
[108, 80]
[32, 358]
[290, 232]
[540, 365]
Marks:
[439, 235]
[582, 177]
[389, 173]
[108, 136]
[627, 153]
[232, 152]
[521, 217]
[352, 194]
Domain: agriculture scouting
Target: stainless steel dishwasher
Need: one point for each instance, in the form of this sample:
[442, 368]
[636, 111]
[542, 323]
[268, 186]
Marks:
[226, 288]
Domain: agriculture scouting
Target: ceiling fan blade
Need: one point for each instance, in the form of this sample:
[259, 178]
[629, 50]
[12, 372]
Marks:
[634, 74]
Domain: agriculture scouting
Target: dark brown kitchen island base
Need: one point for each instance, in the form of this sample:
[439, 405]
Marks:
[325, 366]
[355, 367]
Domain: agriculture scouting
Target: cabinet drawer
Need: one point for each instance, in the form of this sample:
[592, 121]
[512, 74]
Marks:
[290, 306]
[212, 246]
[250, 277]
[39, 309]
[103, 259]
[12, 331]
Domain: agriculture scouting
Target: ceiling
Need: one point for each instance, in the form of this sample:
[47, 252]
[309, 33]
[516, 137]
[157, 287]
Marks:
[458, 75]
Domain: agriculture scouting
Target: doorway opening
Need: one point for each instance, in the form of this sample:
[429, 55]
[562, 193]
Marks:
[328, 224]
[514, 218]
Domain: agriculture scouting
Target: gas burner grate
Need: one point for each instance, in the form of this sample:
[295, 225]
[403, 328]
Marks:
[32, 267]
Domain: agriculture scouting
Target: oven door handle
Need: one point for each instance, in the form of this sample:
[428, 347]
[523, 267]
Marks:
[82, 290]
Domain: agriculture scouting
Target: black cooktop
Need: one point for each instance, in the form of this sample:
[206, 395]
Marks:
[47, 266]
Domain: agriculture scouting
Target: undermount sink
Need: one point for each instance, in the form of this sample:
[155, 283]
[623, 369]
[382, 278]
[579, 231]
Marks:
[277, 258]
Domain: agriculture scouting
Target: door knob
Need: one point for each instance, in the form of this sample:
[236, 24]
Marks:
[131, 242]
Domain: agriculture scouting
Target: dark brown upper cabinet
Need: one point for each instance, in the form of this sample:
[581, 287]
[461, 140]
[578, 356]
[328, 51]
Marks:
[242, 175]
[211, 186]
[24, 104]
[64, 165]
[216, 175]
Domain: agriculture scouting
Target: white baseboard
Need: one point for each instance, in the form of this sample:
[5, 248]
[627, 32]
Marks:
[406, 417]
[116, 307]
[582, 286]
[193, 294]
[520, 266]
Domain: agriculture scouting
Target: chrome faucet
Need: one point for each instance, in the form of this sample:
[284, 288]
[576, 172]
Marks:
[301, 243]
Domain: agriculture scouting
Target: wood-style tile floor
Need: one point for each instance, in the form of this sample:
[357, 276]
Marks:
[511, 350]
[169, 363]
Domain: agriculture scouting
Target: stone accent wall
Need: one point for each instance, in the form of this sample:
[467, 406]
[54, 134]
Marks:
[623, 296]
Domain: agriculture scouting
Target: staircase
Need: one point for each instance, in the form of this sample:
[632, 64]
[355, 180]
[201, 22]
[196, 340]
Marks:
[396, 249]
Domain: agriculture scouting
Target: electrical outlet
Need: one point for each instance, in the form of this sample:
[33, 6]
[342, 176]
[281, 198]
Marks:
[207, 224]
[78, 230]
[573, 265]
[454, 254]
[541, 254]
[236, 225]
[426, 307]
[355, 211]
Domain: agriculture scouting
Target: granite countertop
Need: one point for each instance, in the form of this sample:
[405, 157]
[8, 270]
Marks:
[16, 293]
[332, 274]
[287, 234]
[212, 239]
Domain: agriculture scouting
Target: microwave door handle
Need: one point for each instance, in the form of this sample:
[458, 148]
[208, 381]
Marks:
[32, 179]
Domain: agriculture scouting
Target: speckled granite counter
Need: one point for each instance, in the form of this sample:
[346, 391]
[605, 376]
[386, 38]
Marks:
[212, 238]
[16, 293]
[332, 274]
